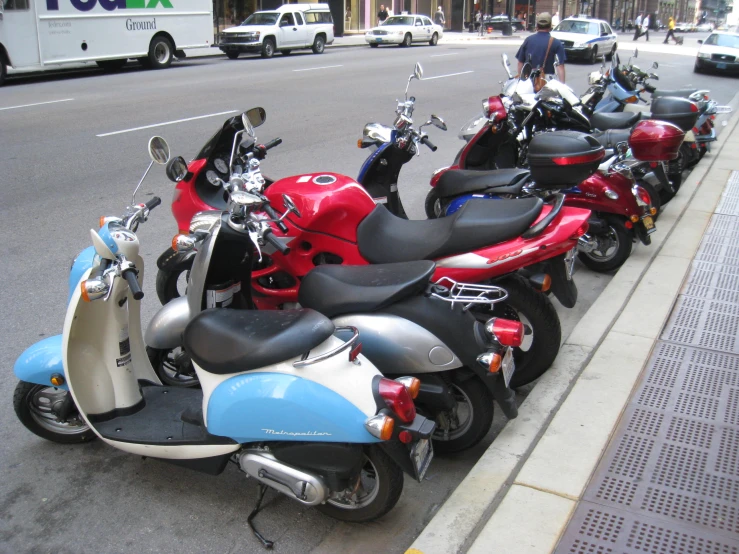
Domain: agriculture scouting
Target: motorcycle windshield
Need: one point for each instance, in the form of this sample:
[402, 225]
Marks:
[222, 139]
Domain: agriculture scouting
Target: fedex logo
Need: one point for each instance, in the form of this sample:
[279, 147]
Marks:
[110, 5]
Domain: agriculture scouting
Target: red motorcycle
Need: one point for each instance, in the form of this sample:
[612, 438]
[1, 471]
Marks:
[523, 245]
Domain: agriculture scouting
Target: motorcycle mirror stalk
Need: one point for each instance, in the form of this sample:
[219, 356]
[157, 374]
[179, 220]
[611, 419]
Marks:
[417, 74]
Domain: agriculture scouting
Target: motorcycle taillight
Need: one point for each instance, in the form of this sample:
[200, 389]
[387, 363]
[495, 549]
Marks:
[398, 399]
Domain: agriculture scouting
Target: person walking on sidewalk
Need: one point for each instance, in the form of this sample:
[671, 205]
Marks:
[382, 15]
[645, 26]
[637, 27]
[439, 17]
[541, 48]
[671, 31]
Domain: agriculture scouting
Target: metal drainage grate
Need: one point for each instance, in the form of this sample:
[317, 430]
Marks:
[729, 203]
[705, 323]
[727, 225]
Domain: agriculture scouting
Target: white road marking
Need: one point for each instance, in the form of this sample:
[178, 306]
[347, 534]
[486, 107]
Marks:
[165, 123]
[442, 55]
[314, 68]
[450, 75]
[37, 104]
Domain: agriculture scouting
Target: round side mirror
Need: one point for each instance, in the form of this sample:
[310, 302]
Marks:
[176, 169]
[436, 121]
[418, 71]
[526, 72]
[655, 65]
[290, 205]
[158, 150]
[256, 116]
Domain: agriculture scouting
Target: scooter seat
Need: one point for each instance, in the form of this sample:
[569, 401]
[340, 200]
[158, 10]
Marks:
[459, 181]
[385, 238]
[340, 289]
[609, 139]
[680, 92]
[223, 341]
[615, 120]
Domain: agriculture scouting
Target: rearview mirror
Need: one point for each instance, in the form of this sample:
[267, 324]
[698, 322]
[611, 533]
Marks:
[507, 65]
[158, 150]
[256, 116]
[290, 205]
[655, 65]
[436, 121]
[525, 72]
[418, 71]
[176, 169]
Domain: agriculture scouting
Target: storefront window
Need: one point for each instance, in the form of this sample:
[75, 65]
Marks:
[229, 13]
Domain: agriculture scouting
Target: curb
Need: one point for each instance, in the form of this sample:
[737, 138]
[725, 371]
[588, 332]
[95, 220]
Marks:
[469, 519]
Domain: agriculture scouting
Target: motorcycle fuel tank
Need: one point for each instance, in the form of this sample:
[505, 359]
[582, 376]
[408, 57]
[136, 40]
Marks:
[328, 203]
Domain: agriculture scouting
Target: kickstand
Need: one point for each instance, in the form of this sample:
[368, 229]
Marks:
[254, 512]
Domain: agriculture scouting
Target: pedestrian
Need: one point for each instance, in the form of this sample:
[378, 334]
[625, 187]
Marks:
[645, 26]
[671, 31]
[478, 22]
[637, 27]
[439, 17]
[382, 15]
[555, 19]
[541, 48]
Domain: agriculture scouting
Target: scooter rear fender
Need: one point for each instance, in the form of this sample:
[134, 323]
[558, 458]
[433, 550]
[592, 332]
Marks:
[40, 362]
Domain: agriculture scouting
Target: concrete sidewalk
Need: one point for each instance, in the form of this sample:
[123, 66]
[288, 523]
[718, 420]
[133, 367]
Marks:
[630, 442]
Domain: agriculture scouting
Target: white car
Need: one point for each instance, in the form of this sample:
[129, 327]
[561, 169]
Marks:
[719, 52]
[404, 30]
[704, 28]
[586, 38]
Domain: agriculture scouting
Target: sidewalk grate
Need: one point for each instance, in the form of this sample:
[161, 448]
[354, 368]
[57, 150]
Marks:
[729, 203]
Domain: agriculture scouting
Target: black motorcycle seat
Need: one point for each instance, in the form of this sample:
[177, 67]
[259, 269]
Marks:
[385, 238]
[615, 120]
[341, 289]
[680, 92]
[224, 341]
[609, 139]
[459, 181]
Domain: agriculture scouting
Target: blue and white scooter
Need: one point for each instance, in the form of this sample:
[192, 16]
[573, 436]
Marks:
[298, 409]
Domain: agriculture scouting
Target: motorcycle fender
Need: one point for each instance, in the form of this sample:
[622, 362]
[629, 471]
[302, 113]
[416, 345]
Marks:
[563, 285]
[40, 361]
[175, 261]
[166, 327]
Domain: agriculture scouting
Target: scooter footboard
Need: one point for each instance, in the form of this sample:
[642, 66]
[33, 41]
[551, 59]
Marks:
[40, 362]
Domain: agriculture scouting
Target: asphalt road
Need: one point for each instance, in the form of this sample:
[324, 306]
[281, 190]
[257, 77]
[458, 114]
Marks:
[58, 175]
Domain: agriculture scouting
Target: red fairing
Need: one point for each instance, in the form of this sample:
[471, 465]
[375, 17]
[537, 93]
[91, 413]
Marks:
[593, 196]
[329, 203]
[186, 202]
[655, 141]
[495, 105]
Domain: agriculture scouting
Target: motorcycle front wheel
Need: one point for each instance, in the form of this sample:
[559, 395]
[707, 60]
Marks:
[171, 284]
[173, 367]
[375, 492]
[434, 205]
[542, 330]
[36, 407]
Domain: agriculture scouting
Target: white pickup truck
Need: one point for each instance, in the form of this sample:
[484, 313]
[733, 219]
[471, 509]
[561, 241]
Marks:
[287, 28]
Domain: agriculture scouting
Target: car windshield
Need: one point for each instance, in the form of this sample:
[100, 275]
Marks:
[399, 21]
[261, 19]
[580, 27]
[730, 41]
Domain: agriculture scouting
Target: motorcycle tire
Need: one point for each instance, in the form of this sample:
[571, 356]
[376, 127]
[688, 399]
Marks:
[535, 310]
[32, 404]
[602, 263]
[388, 483]
[173, 367]
[479, 407]
[433, 205]
[654, 197]
[167, 284]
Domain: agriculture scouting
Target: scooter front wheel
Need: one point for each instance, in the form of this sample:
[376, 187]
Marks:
[171, 284]
[373, 494]
[173, 367]
[434, 205]
[39, 407]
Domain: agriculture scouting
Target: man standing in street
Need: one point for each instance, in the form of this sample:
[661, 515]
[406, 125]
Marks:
[637, 27]
[645, 26]
[382, 15]
[540, 49]
[670, 31]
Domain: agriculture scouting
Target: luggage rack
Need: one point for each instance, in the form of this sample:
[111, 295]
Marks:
[469, 294]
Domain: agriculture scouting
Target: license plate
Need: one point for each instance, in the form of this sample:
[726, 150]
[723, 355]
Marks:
[722, 109]
[378, 40]
[509, 366]
[720, 66]
[648, 223]
[422, 454]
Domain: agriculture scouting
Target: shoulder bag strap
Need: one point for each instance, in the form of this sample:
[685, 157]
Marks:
[544, 63]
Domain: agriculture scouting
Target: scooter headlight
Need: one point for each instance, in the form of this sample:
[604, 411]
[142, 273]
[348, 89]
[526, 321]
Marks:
[94, 289]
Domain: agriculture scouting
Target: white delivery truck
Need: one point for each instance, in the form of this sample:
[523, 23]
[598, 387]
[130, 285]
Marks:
[44, 34]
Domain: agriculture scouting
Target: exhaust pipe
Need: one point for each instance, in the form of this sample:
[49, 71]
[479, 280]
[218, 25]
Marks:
[586, 244]
[305, 488]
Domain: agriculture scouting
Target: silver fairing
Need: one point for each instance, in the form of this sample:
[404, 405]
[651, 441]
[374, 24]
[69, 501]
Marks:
[199, 271]
[166, 327]
[395, 345]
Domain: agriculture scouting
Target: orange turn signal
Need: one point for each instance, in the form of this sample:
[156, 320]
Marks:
[631, 100]
[491, 361]
[412, 384]
[380, 426]
[57, 380]
[547, 283]
[653, 211]
[634, 218]
[101, 222]
[85, 296]
[359, 143]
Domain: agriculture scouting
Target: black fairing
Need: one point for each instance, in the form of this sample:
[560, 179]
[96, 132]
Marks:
[222, 139]
[564, 289]
[335, 462]
[382, 177]
[492, 151]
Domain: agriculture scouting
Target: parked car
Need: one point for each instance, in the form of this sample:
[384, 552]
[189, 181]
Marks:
[498, 22]
[704, 28]
[586, 38]
[404, 30]
[681, 27]
[718, 52]
[287, 28]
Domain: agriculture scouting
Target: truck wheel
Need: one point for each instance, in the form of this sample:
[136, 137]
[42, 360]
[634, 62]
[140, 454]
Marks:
[3, 72]
[268, 48]
[232, 54]
[434, 40]
[161, 53]
[319, 44]
[111, 65]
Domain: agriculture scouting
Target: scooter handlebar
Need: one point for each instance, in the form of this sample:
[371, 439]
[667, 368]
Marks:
[273, 143]
[273, 215]
[133, 283]
[153, 203]
[427, 142]
[270, 238]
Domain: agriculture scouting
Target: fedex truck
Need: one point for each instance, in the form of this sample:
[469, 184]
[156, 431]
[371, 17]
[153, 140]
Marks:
[45, 34]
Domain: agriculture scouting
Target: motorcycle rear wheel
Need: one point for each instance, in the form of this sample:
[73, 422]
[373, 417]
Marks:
[34, 406]
[171, 284]
[434, 205]
[543, 336]
[618, 251]
[386, 480]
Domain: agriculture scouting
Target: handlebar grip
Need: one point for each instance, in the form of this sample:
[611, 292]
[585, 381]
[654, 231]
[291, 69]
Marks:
[153, 203]
[133, 283]
[270, 238]
[427, 142]
[273, 143]
[649, 88]
[273, 215]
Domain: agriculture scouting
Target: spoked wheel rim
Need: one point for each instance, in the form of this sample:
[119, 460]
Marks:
[450, 426]
[176, 369]
[161, 52]
[365, 490]
[607, 248]
[42, 401]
